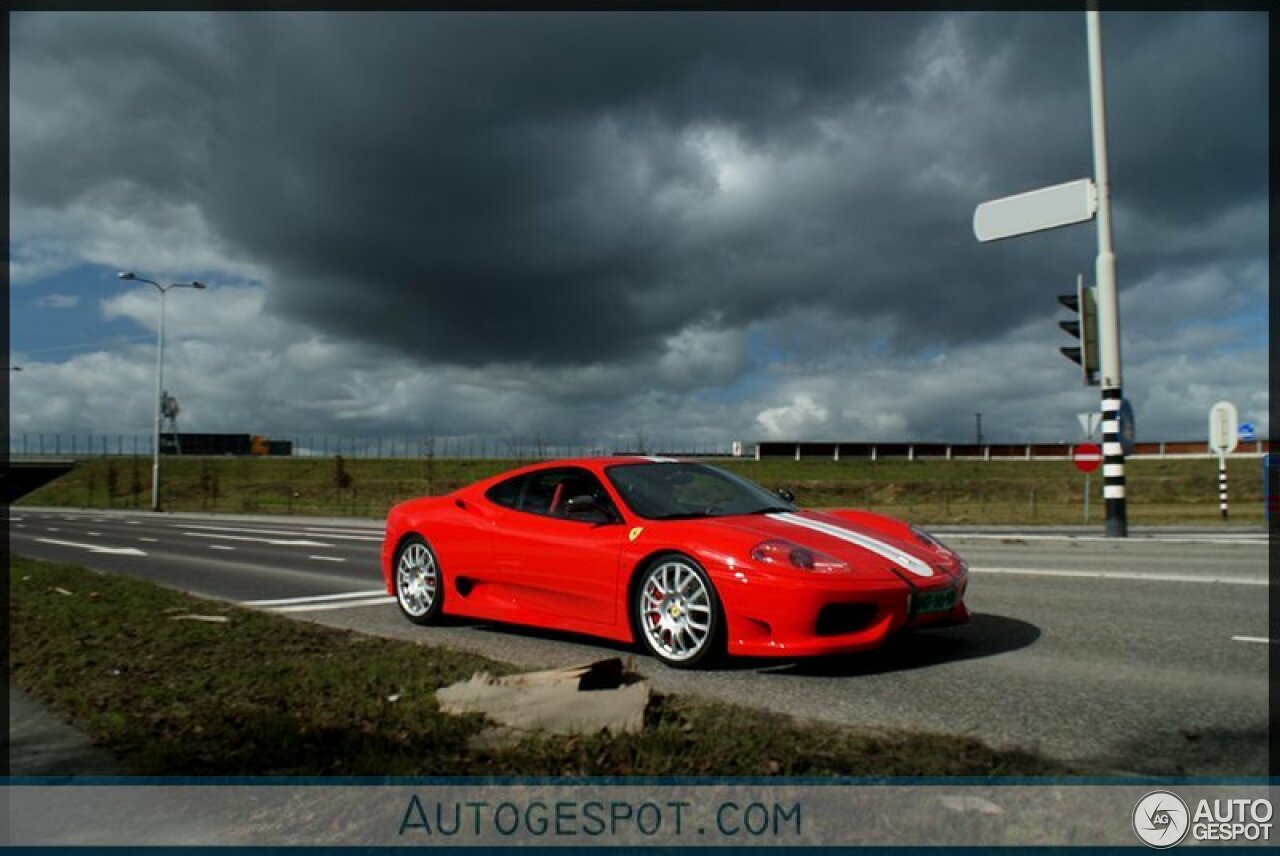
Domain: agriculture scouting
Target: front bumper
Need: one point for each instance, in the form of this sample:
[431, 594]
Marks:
[777, 616]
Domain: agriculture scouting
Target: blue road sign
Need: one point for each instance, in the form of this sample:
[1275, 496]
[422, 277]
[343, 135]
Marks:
[1247, 432]
[1128, 430]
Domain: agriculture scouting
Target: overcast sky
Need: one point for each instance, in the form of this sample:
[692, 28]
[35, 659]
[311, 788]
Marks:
[582, 227]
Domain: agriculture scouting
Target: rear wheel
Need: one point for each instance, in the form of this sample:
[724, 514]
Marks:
[419, 583]
[677, 614]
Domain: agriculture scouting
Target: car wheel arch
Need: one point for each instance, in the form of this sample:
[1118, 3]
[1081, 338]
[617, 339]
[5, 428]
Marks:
[406, 535]
[644, 563]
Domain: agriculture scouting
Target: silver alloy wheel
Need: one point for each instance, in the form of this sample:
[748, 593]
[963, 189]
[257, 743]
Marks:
[676, 611]
[417, 579]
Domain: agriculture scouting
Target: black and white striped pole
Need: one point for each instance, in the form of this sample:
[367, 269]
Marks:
[1224, 436]
[1222, 485]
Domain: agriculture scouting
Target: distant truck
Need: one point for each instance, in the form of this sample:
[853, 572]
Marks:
[224, 444]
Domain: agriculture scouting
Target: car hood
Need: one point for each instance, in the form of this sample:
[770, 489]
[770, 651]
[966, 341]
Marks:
[862, 547]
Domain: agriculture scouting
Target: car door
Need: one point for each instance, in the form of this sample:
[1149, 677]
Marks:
[560, 564]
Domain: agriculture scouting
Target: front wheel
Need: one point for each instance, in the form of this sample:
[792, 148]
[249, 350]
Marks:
[677, 614]
[419, 584]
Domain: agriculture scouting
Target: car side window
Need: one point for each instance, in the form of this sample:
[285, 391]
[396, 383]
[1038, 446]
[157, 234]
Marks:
[507, 493]
[548, 493]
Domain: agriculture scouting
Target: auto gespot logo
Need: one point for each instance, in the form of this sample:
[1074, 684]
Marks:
[1161, 819]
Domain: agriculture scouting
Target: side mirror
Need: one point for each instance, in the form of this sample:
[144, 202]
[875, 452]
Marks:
[785, 494]
[586, 508]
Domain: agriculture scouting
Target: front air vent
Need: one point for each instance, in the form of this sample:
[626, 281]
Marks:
[837, 619]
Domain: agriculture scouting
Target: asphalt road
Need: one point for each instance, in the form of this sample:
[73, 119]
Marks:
[1147, 655]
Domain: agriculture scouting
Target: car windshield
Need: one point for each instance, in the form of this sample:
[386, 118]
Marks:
[679, 490]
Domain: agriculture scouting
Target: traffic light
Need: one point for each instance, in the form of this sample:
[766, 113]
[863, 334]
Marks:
[1085, 328]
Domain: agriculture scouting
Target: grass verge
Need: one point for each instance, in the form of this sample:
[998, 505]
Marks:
[261, 694]
[931, 492]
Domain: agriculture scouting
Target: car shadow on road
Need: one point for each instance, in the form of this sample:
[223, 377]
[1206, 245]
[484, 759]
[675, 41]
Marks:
[986, 635]
[589, 644]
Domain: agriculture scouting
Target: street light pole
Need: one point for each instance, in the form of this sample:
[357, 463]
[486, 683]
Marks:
[1108, 303]
[155, 454]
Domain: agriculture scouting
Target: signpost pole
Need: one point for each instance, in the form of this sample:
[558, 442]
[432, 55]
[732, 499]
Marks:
[1113, 478]
[1087, 478]
[1088, 424]
[1222, 485]
[1086, 458]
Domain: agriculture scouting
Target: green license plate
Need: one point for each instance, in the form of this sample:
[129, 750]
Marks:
[935, 601]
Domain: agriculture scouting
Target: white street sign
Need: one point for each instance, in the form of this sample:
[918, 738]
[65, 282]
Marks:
[1036, 210]
[1089, 423]
[1223, 422]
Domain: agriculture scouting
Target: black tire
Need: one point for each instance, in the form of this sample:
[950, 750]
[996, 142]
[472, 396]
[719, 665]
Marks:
[419, 582]
[676, 613]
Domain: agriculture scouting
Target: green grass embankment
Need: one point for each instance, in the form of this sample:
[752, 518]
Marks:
[261, 694]
[1013, 492]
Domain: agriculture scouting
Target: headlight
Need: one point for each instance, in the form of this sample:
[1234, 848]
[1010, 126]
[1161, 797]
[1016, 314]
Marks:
[947, 557]
[789, 555]
[929, 541]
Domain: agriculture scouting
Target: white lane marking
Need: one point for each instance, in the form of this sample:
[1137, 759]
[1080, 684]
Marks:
[327, 558]
[317, 598]
[150, 540]
[132, 523]
[95, 548]
[1121, 575]
[99, 520]
[1260, 639]
[286, 532]
[1241, 538]
[220, 547]
[94, 534]
[52, 529]
[323, 530]
[347, 604]
[21, 526]
[279, 542]
[880, 548]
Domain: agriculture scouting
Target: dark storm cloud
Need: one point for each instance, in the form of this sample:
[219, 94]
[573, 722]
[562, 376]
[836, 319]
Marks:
[472, 188]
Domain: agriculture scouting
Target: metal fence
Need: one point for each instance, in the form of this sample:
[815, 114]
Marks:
[329, 446]
[485, 448]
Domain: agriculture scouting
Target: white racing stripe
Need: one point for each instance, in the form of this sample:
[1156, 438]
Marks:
[880, 548]
[1121, 575]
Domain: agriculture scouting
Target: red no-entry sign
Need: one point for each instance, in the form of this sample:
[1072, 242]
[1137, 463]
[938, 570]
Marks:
[1087, 457]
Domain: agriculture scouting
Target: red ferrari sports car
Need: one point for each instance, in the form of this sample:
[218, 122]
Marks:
[689, 559]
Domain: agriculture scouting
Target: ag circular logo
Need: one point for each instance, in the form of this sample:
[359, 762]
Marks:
[1160, 819]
